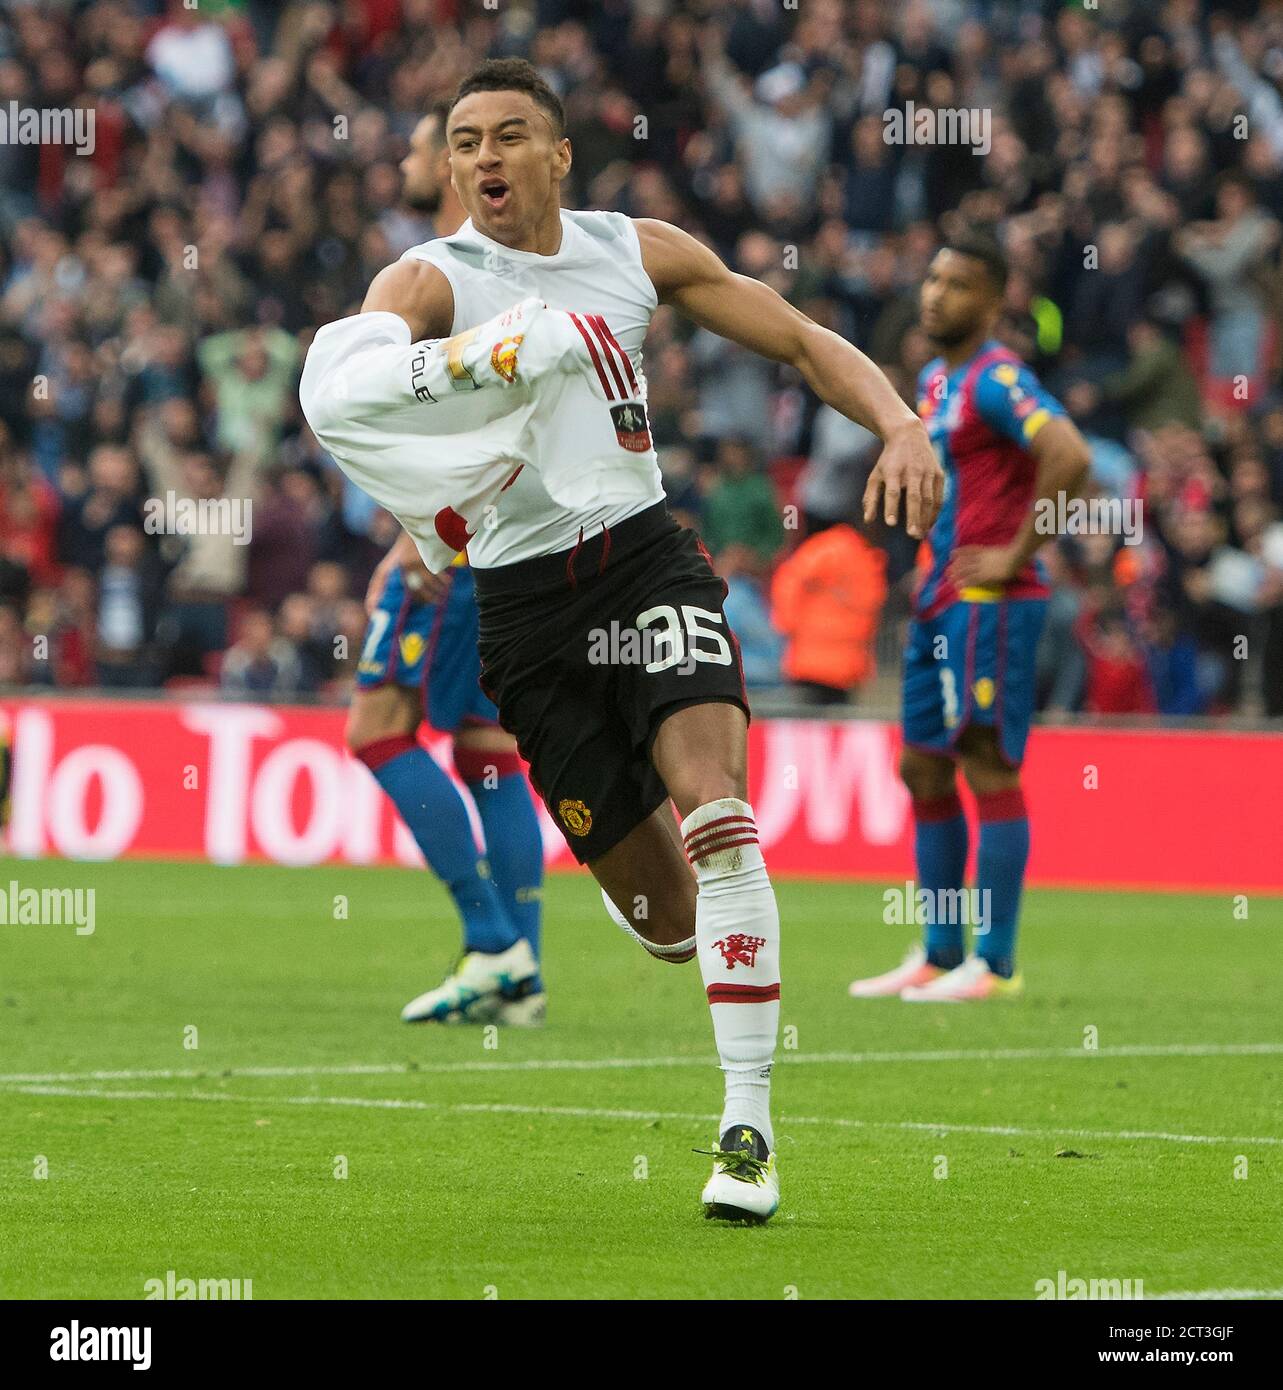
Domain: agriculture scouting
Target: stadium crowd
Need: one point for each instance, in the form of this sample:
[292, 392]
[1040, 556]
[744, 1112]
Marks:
[157, 296]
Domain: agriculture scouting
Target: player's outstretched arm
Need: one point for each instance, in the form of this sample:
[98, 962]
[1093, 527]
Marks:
[690, 277]
[361, 369]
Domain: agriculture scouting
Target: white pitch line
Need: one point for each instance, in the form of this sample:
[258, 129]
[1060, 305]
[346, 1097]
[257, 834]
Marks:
[588, 1113]
[1002, 1054]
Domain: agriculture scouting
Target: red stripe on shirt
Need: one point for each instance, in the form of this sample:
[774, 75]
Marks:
[596, 360]
[603, 327]
[604, 338]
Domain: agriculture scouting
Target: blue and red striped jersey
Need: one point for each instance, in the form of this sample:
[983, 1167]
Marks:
[982, 416]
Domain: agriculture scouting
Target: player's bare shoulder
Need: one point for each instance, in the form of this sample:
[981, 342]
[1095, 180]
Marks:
[673, 259]
[419, 292]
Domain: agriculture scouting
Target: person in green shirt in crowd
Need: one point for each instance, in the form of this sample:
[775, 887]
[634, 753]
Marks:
[741, 508]
[253, 371]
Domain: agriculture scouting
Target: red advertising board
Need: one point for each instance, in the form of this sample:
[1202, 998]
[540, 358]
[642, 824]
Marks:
[234, 782]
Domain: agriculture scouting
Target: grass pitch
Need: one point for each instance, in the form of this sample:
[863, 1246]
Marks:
[925, 1151]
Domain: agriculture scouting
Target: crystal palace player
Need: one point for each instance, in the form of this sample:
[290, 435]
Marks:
[969, 668]
[608, 744]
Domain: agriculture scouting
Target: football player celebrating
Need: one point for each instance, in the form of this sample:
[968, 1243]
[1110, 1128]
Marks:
[969, 668]
[582, 542]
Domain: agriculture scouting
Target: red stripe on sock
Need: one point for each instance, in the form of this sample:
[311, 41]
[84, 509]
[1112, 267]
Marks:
[596, 359]
[928, 810]
[743, 994]
[699, 830]
[728, 841]
[1008, 805]
[473, 764]
[382, 750]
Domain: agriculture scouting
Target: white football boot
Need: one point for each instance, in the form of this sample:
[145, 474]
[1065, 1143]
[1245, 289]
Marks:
[912, 973]
[972, 980]
[745, 1185]
[474, 991]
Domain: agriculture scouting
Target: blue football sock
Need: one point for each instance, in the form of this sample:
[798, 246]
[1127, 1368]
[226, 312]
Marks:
[514, 844]
[436, 816]
[940, 849]
[1000, 872]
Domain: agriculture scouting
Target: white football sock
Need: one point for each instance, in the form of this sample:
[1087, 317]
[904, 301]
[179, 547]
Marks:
[737, 928]
[678, 953]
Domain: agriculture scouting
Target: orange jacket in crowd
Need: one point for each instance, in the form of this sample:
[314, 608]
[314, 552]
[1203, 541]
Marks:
[826, 598]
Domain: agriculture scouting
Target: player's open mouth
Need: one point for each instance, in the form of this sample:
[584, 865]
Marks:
[495, 193]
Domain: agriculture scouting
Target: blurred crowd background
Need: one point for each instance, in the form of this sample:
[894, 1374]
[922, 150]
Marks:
[157, 297]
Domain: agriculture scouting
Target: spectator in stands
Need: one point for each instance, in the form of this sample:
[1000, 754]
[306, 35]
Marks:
[298, 626]
[748, 614]
[681, 486]
[1172, 660]
[1226, 252]
[1061, 664]
[781, 131]
[15, 653]
[1156, 388]
[129, 591]
[260, 662]
[29, 511]
[1117, 676]
[253, 373]
[283, 547]
[109, 497]
[826, 599]
[740, 508]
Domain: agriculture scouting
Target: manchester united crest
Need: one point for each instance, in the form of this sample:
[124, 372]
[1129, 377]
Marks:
[503, 358]
[631, 426]
[575, 816]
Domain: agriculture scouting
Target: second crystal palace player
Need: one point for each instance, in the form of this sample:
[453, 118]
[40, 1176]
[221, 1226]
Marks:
[610, 745]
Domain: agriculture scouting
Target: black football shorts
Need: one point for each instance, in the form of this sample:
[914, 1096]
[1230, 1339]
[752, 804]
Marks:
[586, 651]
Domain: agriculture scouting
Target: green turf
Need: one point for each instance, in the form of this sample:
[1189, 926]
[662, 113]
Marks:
[442, 1200]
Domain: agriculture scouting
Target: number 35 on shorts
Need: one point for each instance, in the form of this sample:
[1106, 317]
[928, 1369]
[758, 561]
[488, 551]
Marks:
[673, 638]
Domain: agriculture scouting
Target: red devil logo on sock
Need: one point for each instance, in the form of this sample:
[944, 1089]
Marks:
[738, 949]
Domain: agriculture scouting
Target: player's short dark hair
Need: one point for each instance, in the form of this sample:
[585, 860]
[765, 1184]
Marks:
[514, 75]
[982, 247]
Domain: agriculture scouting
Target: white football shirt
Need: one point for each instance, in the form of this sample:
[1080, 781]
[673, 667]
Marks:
[597, 270]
